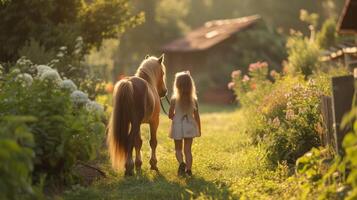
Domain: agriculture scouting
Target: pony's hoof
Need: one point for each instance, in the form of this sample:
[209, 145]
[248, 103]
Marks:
[129, 173]
[154, 168]
[138, 169]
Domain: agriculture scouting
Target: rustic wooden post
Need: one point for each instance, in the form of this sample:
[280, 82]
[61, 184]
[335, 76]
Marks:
[326, 110]
[342, 96]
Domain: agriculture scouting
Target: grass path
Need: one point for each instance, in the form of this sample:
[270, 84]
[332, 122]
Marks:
[226, 166]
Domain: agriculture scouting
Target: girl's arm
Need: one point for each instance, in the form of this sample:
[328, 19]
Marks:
[172, 109]
[196, 115]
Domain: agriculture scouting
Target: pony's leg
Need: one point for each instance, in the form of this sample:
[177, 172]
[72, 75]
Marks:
[138, 144]
[129, 164]
[153, 144]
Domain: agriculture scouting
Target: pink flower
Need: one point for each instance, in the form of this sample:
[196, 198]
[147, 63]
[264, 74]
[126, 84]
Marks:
[264, 64]
[285, 67]
[236, 73]
[253, 67]
[273, 73]
[246, 78]
[231, 85]
[257, 65]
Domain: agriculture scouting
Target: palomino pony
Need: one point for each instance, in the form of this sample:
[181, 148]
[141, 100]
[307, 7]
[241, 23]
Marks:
[136, 101]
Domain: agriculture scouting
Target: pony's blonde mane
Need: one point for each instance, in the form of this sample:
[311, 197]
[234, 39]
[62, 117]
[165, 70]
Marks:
[150, 68]
[180, 99]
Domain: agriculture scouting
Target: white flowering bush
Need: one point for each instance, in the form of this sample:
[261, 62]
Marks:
[79, 97]
[68, 127]
[25, 78]
[68, 85]
[15, 71]
[23, 63]
[42, 69]
[51, 75]
[95, 107]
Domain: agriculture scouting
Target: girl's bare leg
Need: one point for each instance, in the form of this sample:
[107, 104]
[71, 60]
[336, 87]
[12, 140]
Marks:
[178, 149]
[188, 153]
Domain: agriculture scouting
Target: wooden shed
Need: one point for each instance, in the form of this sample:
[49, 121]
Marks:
[348, 19]
[345, 52]
[204, 51]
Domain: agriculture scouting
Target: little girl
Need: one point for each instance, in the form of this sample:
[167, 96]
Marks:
[185, 119]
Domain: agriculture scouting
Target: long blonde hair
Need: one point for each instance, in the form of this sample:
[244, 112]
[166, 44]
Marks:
[185, 91]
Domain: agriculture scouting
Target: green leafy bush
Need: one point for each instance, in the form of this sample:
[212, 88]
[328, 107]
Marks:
[303, 55]
[16, 157]
[69, 126]
[350, 162]
[328, 36]
[326, 176]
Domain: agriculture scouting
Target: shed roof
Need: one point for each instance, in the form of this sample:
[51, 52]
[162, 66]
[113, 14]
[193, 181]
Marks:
[210, 34]
[348, 19]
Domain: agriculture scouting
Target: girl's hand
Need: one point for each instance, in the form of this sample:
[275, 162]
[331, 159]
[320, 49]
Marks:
[172, 109]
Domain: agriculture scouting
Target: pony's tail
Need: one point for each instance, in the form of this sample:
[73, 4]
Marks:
[119, 125]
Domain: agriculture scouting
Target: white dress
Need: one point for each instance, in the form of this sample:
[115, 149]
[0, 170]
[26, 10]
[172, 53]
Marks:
[183, 124]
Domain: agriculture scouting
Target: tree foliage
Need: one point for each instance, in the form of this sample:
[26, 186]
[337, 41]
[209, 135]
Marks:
[59, 22]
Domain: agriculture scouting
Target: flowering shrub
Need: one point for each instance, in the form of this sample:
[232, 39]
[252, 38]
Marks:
[66, 64]
[51, 75]
[42, 69]
[95, 107]
[25, 79]
[292, 121]
[68, 85]
[79, 97]
[65, 131]
[285, 115]
[250, 88]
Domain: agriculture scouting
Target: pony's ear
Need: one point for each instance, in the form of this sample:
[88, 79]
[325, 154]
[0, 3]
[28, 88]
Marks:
[147, 56]
[188, 72]
[161, 59]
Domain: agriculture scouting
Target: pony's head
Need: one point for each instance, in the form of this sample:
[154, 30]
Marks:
[153, 70]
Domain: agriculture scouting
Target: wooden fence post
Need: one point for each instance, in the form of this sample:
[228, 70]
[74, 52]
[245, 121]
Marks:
[342, 96]
[327, 118]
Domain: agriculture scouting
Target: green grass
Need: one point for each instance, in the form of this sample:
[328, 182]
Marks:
[226, 166]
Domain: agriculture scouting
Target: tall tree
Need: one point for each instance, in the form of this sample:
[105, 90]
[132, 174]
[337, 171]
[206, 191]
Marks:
[59, 22]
